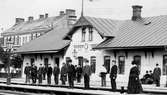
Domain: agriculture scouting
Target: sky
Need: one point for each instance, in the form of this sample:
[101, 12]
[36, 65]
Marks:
[114, 9]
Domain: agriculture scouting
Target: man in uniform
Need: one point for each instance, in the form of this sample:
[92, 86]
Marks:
[34, 73]
[40, 72]
[71, 74]
[157, 75]
[113, 75]
[27, 72]
[49, 74]
[86, 74]
[44, 72]
[56, 72]
[63, 74]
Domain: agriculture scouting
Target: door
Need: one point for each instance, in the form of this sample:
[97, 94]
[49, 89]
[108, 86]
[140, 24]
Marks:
[57, 61]
[32, 61]
[80, 61]
[46, 62]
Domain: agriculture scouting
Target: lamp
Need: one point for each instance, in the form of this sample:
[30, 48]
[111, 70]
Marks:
[9, 49]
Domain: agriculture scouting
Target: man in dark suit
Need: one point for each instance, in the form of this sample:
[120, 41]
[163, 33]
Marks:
[34, 73]
[27, 72]
[86, 74]
[49, 74]
[157, 75]
[56, 73]
[63, 74]
[113, 75]
[40, 72]
[71, 74]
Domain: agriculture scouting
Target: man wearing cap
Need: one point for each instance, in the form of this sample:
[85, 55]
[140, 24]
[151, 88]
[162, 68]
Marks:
[49, 74]
[56, 72]
[71, 74]
[113, 75]
[27, 72]
[86, 73]
[34, 73]
[40, 72]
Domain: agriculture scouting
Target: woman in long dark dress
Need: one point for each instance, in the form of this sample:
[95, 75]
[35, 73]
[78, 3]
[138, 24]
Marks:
[134, 85]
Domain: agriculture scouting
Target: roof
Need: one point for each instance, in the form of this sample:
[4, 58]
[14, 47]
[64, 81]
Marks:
[145, 32]
[104, 26]
[39, 25]
[50, 42]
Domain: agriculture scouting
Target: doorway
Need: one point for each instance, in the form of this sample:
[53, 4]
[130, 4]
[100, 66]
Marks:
[80, 61]
[46, 62]
[57, 61]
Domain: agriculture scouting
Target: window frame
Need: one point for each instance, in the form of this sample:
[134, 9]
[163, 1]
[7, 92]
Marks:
[83, 34]
[107, 64]
[90, 34]
[93, 63]
[164, 66]
[121, 71]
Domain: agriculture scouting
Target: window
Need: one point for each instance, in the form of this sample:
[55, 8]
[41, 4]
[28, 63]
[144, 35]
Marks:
[46, 61]
[80, 61]
[121, 64]
[17, 40]
[93, 64]
[90, 34]
[83, 34]
[107, 63]
[32, 61]
[137, 59]
[164, 65]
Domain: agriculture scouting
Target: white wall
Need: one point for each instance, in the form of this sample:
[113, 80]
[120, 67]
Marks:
[39, 61]
[84, 49]
[147, 63]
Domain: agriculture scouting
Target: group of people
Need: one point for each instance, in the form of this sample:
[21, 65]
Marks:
[33, 73]
[67, 71]
[150, 78]
[72, 73]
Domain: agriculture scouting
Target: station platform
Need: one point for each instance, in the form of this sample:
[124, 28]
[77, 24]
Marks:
[95, 88]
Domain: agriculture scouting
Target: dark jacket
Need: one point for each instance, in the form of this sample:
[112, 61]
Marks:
[56, 71]
[157, 73]
[34, 70]
[40, 71]
[87, 70]
[71, 70]
[113, 73]
[27, 70]
[63, 70]
[49, 71]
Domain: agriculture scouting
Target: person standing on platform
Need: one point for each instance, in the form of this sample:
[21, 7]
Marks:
[56, 72]
[157, 75]
[103, 73]
[113, 75]
[134, 84]
[49, 74]
[79, 73]
[86, 74]
[71, 74]
[34, 73]
[27, 72]
[40, 72]
[63, 74]
[44, 72]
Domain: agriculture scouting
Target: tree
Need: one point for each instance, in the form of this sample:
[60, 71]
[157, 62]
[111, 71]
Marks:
[16, 61]
[4, 56]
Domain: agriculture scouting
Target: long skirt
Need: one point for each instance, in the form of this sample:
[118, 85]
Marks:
[134, 85]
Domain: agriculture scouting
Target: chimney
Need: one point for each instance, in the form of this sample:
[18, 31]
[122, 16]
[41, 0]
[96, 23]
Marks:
[41, 17]
[62, 13]
[19, 20]
[30, 18]
[70, 12]
[46, 15]
[136, 12]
